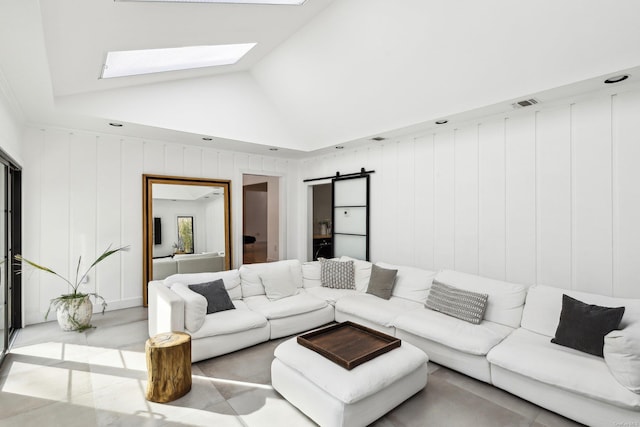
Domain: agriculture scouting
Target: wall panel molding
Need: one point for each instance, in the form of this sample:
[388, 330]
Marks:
[548, 195]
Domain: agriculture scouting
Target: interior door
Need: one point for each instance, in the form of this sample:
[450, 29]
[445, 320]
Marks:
[351, 217]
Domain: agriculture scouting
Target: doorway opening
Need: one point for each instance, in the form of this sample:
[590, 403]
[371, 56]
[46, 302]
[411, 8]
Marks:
[260, 218]
[322, 227]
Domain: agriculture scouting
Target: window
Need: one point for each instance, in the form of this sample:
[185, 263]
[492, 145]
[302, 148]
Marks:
[185, 235]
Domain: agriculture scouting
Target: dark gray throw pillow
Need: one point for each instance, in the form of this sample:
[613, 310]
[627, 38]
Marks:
[583, 326]
[381, 281]
[462, 304]
[216, 295]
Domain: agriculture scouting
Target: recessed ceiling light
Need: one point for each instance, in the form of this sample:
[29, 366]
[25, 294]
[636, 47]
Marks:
[134, 62]
[206, 138]
[442, 122]
[617, 79]
[289, 2]
[115, 125]
[273, 149]
[378, 138]
[339, 147]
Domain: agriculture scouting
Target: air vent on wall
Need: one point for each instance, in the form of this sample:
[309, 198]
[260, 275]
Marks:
[525, 103]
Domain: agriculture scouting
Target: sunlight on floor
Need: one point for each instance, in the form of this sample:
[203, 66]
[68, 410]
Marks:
[232, 382]
[86, 354]
[105, 380]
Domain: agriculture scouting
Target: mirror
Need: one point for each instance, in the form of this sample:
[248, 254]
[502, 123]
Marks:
[186, 226]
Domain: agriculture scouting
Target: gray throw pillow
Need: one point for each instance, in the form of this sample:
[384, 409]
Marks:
[464, 305]
[381, 281]
[337, 274]
[216, 295]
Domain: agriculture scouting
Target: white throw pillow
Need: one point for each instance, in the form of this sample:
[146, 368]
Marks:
[195, 306]
[278, 282]
[362, 272]
[622, 356]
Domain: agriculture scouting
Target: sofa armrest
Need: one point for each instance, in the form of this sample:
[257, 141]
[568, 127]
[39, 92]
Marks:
[166, 309]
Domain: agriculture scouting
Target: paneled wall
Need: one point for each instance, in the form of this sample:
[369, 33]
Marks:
[83, 191]
[548, 196]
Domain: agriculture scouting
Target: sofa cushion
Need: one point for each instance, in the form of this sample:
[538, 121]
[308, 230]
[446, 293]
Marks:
[505, 302]
[451, 332]
[215, 294]
[250, 276]
[411, 283]
[230, 322]
[381, 282]
[195, 306]
[374, 309]
[583, 326]
[311, 274]
[534, 356]
[361, 270]
[231, 279]
[278, 282]
[285, 307]
[331, 295]
[544, 303]
[459, 303]
[622, 356]
[337, 274]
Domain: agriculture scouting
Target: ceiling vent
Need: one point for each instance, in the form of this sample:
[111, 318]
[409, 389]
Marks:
[525, 103]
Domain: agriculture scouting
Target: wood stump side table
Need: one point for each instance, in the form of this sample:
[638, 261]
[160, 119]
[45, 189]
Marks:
[168, 366]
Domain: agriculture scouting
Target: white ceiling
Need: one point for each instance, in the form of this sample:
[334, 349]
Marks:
[326, 73]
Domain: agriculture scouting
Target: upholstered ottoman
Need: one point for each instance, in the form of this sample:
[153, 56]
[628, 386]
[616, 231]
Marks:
[333, 396]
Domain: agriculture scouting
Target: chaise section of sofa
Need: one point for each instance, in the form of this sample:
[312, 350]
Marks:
[567, 381]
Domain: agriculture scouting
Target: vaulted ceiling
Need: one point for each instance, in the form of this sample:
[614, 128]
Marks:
[325, 73]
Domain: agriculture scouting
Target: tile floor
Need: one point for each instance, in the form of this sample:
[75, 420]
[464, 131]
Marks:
[98, 378]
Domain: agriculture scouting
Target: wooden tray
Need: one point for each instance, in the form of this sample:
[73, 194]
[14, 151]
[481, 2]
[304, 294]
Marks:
[348, 344]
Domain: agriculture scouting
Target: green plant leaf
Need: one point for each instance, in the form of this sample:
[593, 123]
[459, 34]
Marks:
[78, 272]
[20, 258]
[108, 252]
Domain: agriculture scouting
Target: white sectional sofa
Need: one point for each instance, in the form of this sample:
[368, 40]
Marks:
[509, 348]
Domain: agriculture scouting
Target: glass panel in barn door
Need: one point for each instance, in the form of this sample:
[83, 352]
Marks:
[351, 217]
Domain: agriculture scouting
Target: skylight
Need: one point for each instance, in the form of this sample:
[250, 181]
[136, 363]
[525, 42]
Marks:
[134, 62]
[291, 2]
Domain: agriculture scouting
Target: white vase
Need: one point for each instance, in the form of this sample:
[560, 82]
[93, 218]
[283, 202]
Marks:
[75, 313]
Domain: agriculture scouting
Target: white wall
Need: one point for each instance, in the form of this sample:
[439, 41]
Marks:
[10, 123]
[549, 197]
[83, 191]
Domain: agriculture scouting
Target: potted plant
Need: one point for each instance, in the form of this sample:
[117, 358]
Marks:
[74, 310]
